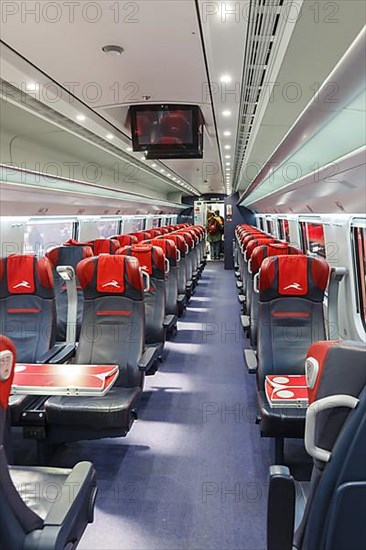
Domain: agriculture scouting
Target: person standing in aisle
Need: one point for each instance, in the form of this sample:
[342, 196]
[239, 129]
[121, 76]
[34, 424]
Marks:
[213, 228]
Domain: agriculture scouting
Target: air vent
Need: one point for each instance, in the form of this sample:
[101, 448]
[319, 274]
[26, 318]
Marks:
[264, 30]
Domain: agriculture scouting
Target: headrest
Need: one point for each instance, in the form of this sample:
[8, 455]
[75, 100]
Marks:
[247, 237]
[142, 236]
[164, 230]
[68, 255]
[125, 240]
[7, 363]
[267, 250]
[110, 275]
[252, 244]
[179, 241]
[293, 276]
[104, 246]
[169, 248]
[151, 258]
[334, 368]
[187, 237]
[24, 274]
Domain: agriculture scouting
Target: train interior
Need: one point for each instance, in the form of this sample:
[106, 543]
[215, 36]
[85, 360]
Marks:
[183, 275]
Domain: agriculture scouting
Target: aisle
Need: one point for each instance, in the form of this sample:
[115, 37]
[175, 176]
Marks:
[192, 472]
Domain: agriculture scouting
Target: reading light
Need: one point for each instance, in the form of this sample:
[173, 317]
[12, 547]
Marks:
[153, 165]
[129, 149]
[227, 133]
[109, 136]
[80, 118]
[228, 156]
[226, 113]
[227, 147]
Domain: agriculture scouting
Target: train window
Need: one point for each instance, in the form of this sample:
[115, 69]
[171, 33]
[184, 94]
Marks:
[156, 223]
[42, 235]
[270, 226]
[132, 225]
[108, 228]
[359, 241]
[312, 238]
[284, 229]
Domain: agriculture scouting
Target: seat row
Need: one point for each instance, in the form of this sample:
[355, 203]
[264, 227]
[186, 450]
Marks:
[289, 306]
[115, 304]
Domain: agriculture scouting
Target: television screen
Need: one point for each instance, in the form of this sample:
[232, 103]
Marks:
[167, 131]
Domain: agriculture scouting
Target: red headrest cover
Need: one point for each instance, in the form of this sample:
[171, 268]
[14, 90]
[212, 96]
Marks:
[168, 246]
[151, 258]
[265, 251]
[295, 275]
[125, 240]
[256, 242]
[109, 274]
[104, 246]
[26, 275]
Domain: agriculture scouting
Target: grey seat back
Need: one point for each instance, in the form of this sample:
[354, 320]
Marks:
[333, 516]
[113, 324]
[171, 287]
[151, 259]
[27, 305]
[290, 312]
[63, 256]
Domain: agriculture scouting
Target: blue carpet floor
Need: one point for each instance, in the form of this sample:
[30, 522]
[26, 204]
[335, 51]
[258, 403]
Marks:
[192, 473]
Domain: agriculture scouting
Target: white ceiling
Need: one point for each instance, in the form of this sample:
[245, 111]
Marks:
[165, 58]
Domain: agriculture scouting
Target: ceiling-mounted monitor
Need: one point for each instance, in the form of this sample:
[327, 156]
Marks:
[167, 131]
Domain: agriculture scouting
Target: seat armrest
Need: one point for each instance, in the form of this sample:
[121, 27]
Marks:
[59, 353]
[281, 509]
[81, 478]
[251, 360]
[181, 299]
[169, 321]
[148, 358]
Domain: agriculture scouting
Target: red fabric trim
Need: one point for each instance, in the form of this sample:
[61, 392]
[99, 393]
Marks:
[44, 272]
[267, 274]
[254, 243]
[85, 272]
[74, 242]
[52, 255]
[111, 274]
[114, 312]
[292, 275]
[20, 274]
[87, 252]
[158, 258]
[5, 386]
[133, 272]
[104, 246]
[319, 350]
[319, 273]
[144, 255]
[24, 310]
[290, 314]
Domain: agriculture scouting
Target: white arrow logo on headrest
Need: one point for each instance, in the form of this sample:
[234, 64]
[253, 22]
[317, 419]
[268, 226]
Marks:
[23, 283]
[113, 283]
[295, 286]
